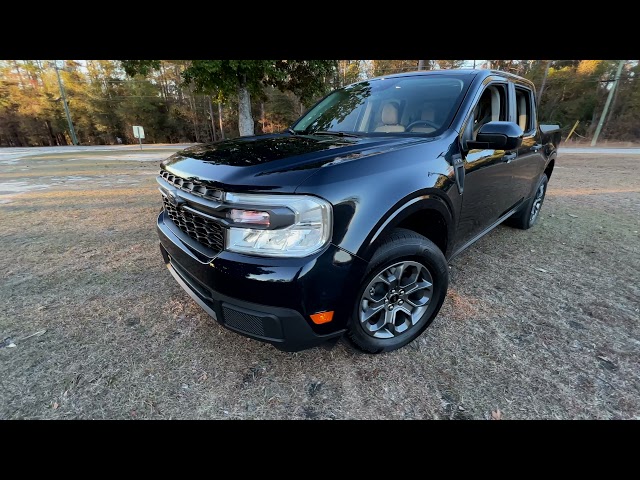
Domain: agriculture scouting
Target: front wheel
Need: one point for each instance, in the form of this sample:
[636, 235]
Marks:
[401, 293]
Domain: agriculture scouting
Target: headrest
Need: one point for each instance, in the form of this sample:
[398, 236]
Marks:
[428, 112]
[390, 114]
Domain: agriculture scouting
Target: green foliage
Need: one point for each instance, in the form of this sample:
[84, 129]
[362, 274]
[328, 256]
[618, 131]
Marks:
[103, 102]
[448, 64]
[387, 67]
[350, 71]
[574, 90]
[277, 111]
[225, 76]
[171, 98]
[305, 78]
[624, 120]
[308, 79]
[29, 105]
[140, 67]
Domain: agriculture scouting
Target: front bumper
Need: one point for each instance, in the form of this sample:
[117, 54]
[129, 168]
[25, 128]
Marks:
[268, 299]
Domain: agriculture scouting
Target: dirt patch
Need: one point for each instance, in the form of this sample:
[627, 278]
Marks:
[538, 324]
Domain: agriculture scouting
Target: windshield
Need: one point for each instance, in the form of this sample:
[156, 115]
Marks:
[421, 104]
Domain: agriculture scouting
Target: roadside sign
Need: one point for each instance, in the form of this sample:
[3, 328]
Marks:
[138, 132]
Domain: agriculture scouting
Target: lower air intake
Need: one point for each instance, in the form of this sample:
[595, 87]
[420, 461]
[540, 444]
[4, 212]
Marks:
[243, 321]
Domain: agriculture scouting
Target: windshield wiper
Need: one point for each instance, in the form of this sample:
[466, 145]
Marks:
[338, 134]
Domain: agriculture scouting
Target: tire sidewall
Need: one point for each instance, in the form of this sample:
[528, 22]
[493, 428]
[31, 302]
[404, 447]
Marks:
[428, 255]
[545, 181]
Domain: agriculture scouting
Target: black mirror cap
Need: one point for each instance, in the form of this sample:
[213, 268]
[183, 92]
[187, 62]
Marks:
[498, 136]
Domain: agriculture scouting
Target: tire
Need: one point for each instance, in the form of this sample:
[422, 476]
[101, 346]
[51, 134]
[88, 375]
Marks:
[421, 262]
[525, 218]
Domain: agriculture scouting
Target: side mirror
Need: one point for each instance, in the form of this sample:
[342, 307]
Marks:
[497, 136]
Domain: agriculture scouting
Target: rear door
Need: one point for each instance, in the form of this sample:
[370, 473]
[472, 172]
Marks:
[487, 192]
[529, 163]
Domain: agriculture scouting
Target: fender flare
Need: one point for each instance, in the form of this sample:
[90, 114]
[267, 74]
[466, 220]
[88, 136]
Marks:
[401, 211]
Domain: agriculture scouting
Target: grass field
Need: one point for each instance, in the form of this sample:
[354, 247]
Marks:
[539, 324]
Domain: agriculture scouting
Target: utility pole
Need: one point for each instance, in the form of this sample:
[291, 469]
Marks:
[74, 139]
[474, 64]
[607, 103]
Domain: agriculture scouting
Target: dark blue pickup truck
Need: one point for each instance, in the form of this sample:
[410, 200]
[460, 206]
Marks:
[344, 223]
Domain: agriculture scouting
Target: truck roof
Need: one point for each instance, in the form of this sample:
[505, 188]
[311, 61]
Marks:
[460, 72]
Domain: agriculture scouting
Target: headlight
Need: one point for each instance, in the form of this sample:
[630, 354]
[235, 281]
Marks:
[309, 229]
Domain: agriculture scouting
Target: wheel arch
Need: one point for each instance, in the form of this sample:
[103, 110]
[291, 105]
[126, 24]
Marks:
[428, 215]
[548, 170]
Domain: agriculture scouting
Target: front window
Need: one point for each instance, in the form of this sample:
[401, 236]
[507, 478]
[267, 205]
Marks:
[420, 104]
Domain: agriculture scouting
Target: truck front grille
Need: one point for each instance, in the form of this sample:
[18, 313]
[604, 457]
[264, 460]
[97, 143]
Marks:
[201, 229]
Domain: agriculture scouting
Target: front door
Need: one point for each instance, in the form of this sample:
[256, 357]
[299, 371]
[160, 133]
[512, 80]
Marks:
[487, 193]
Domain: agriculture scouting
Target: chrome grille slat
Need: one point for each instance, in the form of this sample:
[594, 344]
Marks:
[191, 186]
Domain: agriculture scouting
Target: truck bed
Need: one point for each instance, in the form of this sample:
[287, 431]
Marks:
[550, 134]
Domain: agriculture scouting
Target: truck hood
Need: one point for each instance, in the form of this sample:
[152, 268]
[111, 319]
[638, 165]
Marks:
[274, 162]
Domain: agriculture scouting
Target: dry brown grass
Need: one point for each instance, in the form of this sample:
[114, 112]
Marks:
[123, 340]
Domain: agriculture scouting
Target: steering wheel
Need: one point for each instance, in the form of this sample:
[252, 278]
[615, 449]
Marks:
[428, 123]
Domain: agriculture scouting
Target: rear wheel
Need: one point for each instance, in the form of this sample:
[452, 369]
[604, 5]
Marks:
[401, 293]
[529, 214]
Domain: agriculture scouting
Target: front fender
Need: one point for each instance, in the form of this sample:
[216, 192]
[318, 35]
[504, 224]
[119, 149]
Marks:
[403, 210]
[372, 195]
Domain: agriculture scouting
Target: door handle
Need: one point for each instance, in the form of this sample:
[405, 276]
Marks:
[536, 147]
[507, 157]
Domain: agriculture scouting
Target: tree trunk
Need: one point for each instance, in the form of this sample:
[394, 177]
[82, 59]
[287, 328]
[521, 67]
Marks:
[544, 81]
[192, 106]
[17, 142]
[420, 64]
[207, 126]
[17, 67]
[213, 123]
[50, 132]
[176, 71]
[220, 120]
[245, 121]
[262, 119]
[163, 85]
